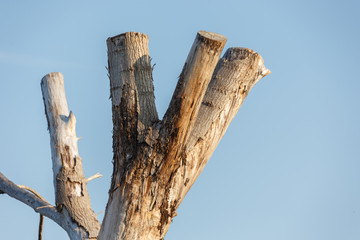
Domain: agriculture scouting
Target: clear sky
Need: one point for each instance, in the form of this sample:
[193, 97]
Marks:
[288, 166]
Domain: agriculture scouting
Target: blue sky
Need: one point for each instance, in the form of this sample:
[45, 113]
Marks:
[288, 166]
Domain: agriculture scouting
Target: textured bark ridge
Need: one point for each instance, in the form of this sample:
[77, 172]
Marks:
[156, 162]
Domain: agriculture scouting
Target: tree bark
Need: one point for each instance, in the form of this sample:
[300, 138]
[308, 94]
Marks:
[235, 75]
[72, 198]
[138, 206]
[155, 162]
[134, 120]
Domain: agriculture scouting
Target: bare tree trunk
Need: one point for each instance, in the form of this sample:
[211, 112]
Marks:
[155, 161]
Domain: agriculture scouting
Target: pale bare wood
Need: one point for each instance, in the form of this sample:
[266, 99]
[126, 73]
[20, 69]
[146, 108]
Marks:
[235, 75]
[191, 87]
[32, 191]
[179, 120]
[72, 197]
[177, 149]
[132, 95]
[63, 219]
[129, 66]
[155, 162]
[139, 169]
[97, 175]
[33, 199]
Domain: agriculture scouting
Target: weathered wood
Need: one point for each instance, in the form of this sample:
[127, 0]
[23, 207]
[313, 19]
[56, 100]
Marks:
[180, 118]
[129, 66]
[40, 206]
[155, 162]
[132, 95]
[72, 198]
[134, 114]
[141, 203]
[155, 167]
[235, 75]
[190, 90]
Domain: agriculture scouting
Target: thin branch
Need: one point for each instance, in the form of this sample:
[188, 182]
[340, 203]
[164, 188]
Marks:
[41, 221]
[97, 175]
[63, 219]
[32, 191]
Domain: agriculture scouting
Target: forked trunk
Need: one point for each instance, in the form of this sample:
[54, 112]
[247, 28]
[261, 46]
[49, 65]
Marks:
[156, 162]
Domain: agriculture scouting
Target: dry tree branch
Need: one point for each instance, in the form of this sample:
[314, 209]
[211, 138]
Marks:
[41, 220]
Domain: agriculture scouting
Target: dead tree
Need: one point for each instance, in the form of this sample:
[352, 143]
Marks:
[155, 162]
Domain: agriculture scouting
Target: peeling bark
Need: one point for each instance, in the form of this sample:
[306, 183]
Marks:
[71, 193]
[135, 119]
[155, 162]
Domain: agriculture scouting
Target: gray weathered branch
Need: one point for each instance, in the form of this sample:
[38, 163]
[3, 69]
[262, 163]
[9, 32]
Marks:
[38, 204]
[63, 219]
[69, 181]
